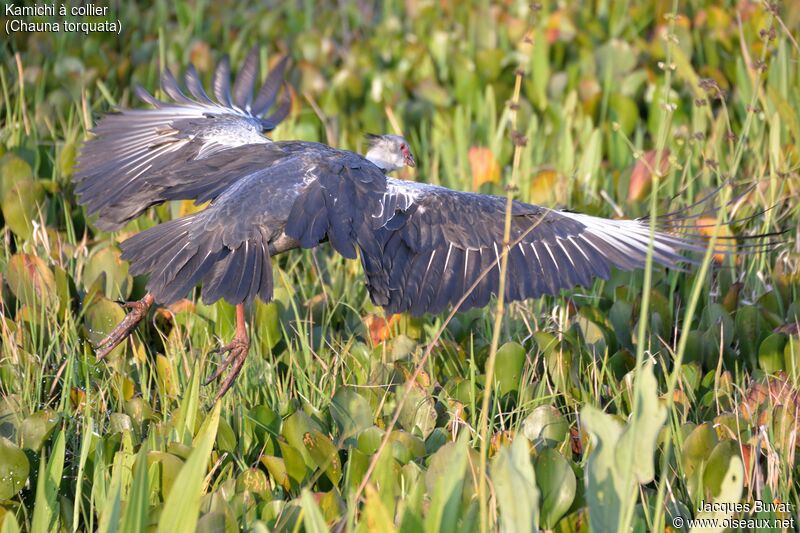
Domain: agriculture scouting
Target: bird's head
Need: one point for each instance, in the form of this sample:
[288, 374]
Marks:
[389, 152]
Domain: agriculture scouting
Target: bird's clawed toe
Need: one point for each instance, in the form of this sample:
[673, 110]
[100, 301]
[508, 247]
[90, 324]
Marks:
[237, 351]
[121, 331]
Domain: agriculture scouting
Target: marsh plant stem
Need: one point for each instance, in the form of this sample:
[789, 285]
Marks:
[498, 317]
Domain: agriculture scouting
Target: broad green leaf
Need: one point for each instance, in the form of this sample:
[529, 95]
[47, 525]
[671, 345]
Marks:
[166, 467]
[295, 465]
[697, 448]
[332, 506]
[294, 430]
[252, 480]
[14, 469]
[622, 456]
[182, 507]
[413, 444]
[267, 325]
[357, 464]
[716, 467]
[603, 477]
[31, 281]
[277, 469]
[226, 438]
[623, 110]
[101, 316]
[351, 412]
[514, 481]
[615, 58]
[325, 455]
[106, 262]
[770, 353]
[448, 483]
[266, 423]
[750, 330]
[508, 369]
[212, 522]
[9, 524]
[418, 413]
[637, 448]
[370, 440]
[13, 169]
[545, 427]
[21, 205]
[730, 493]
[557, 483]
[589, 165]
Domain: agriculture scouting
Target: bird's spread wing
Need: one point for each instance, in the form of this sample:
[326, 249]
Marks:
[136, 157]
[314, 195]
[435, 243]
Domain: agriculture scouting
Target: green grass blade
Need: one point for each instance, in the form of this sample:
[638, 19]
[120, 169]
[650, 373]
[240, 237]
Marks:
[183, 505]
[135, 517]
[86, 442]
[45, 510]
[187, 412]
[313, 521]
[109, 519]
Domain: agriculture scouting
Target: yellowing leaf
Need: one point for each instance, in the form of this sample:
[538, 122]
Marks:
[547, 188]
[485, 168]
[379, 328]
[642, 175]
[706, 227]
[31, 280]
[166, 376]
[200, 56]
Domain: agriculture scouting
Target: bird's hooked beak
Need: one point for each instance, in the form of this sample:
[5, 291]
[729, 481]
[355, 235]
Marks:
[408, 159]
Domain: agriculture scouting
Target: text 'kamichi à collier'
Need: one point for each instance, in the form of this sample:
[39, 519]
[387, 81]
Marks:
[50, 10]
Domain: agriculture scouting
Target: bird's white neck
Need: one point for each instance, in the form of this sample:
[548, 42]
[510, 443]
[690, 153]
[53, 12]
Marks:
[381, 158]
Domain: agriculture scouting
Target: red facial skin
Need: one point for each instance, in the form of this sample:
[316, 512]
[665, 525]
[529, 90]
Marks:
[407, 157]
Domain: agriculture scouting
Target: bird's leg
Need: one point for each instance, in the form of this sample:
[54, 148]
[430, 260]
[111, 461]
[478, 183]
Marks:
[237, 352]
[139, 310]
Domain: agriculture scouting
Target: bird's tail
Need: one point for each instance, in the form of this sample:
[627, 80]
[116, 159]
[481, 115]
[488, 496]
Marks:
[182, 253]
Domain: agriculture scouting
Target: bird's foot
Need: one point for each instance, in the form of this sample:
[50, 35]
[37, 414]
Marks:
[122, 330]
[237, 351]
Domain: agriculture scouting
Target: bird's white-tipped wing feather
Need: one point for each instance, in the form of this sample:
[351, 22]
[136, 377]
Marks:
[435, 243]
[120, 172]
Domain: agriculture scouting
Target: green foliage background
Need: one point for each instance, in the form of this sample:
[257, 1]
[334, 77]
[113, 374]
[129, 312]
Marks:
[708, 414]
